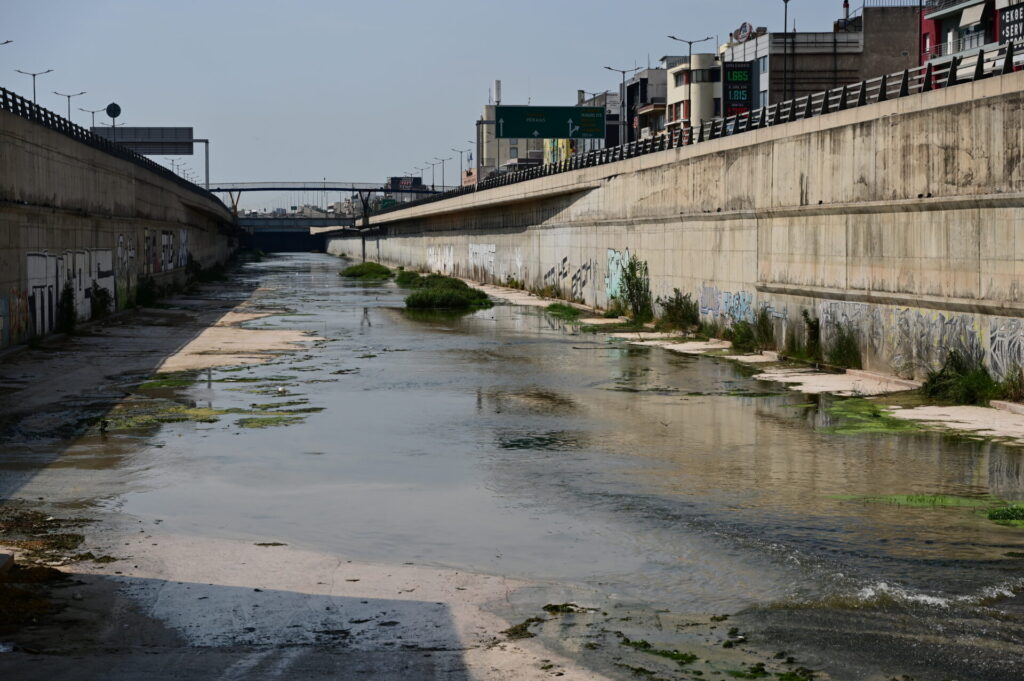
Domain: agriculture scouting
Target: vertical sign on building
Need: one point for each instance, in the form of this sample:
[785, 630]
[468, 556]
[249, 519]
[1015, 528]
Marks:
[738, 87]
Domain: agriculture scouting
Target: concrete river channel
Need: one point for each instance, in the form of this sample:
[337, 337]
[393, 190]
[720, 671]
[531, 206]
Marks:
[677, 503]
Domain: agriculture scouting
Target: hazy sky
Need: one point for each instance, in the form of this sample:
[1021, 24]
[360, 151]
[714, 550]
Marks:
[345, 90]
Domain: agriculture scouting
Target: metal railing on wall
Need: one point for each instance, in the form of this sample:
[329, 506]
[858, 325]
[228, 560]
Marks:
[24, 108]
[967, 69]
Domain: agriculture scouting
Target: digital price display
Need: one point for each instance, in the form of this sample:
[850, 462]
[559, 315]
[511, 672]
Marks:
[738, 87]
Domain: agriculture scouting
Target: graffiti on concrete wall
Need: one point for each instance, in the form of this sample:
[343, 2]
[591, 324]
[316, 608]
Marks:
[1006, 345]
[126, 271]
[734, 306]
[481, 260]
[580, 279]
[182, 260]
[613, 275]
[441, 259]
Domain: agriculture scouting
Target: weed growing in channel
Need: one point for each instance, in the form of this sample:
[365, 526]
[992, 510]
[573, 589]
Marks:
[813, 327]
[564, 312]
[408, 279]
[741, 334]
[438, 292]
[679, 311]
[963, 379]
[100, 301]
[635, 289]
[844, 351]
[367, 271]
[1012, 516]
[764, 330]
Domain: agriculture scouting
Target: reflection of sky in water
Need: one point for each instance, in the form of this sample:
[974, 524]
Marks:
[507, 442]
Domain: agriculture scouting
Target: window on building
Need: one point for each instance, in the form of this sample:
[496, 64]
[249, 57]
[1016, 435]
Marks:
[680, 78]
[763, 100]
[513, 152]
[513, 141]
[707, 75]
[762, 64]
[718, 107]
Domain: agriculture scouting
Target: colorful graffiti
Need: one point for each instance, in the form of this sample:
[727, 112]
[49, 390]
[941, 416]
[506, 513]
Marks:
[613, 277]
[734, 306]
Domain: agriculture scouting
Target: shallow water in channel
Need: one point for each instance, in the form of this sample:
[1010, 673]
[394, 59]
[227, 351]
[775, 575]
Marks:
[510, 443]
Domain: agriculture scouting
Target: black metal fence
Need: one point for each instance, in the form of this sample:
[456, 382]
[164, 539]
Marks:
[959, 69]
[19, 106]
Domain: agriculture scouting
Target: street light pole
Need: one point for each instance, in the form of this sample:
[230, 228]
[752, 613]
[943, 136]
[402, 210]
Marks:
[622, 101]
[93, 112]
[442, 160]
[433, 174]
[69, 99]
[34, 75]
[462, 169]
[689, 74]
[785, 49]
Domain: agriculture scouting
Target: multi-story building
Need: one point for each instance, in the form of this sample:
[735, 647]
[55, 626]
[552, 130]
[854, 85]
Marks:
[645, 98]
[693, 95]
[957, 28]
[882, 37]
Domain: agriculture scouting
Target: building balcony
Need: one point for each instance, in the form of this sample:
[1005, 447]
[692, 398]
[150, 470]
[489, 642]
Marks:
[937, 9]
[963, 46]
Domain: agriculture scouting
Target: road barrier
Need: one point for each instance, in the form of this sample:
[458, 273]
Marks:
[959, 69]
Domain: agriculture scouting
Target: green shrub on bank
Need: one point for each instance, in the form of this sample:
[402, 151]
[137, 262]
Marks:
[679, 312]
[100, 301]
[844, 351]
[963, 379]
[565, 312]
[764, 330]
[367, 271]
[635, 289]
[741, 334]
[408, 279]
[436, 291]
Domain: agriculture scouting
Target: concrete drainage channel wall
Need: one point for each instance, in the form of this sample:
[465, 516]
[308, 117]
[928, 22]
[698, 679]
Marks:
[901, 219]
[73, 215]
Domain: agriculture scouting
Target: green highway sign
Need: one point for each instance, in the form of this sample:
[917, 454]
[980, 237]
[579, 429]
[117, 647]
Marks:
[550, 122]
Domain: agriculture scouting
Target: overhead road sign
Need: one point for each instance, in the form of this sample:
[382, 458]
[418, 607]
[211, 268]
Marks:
[550, 122]
[151, 141]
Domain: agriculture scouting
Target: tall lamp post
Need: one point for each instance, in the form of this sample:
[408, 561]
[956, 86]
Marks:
[433, 174]
[69, 99]
[689, 74]
[34, 75]
[622, 101]
[785, 49]
[462, 169]
[93, 112]
[441, 161]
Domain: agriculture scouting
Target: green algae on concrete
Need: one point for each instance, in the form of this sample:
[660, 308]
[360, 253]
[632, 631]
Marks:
[269, 421]
[564, 312]
[858, 416]
[925, 500]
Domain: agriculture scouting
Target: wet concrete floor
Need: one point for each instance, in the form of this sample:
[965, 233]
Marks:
[508, 443]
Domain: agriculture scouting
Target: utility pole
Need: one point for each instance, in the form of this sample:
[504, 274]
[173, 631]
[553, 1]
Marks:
[622, 101]
[34, 75]
[69, 99]
[689, 73]
[462, 170]
[93, 112]
[442, 160]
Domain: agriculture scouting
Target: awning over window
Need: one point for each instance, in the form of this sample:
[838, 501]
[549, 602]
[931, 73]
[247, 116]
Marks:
[972, 16]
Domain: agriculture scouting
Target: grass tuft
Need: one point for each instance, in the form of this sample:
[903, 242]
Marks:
[844, 351]
[963, 379]
[679, 312]
[438, 292]
[564, 312]
[367, 271]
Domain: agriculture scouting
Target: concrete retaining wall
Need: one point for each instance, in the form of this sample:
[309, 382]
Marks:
[901, 219]
[71, 215]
